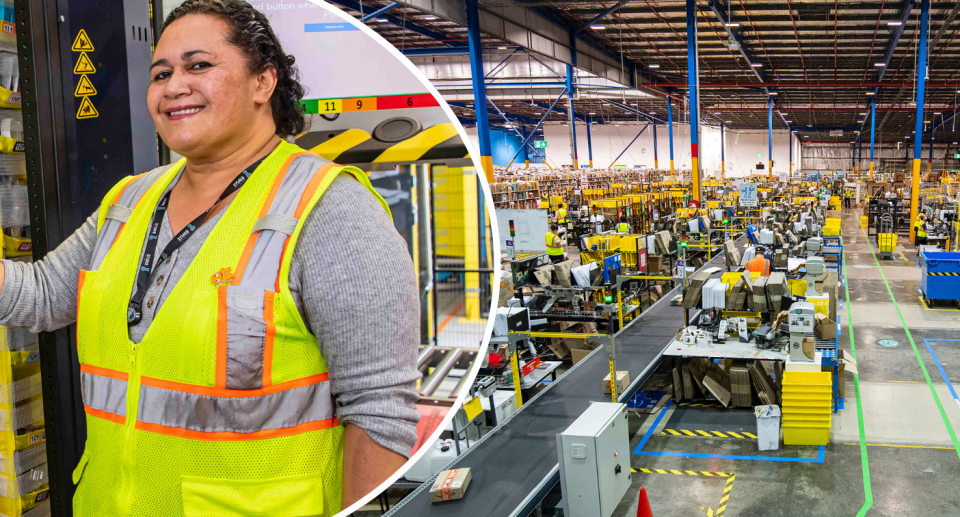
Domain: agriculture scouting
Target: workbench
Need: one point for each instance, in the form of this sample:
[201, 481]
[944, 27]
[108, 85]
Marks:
[515, 465]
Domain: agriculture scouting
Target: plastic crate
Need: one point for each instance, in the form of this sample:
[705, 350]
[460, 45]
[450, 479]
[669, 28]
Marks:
[864, 221]
[941, 275]
[887, 242]
[831, 231]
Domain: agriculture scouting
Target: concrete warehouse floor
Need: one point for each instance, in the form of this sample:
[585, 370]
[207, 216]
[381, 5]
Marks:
[893, 449]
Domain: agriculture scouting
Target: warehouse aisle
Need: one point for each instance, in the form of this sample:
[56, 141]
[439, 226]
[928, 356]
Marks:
[896, 449]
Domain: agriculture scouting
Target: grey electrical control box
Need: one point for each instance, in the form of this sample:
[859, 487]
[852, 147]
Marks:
[594, 458]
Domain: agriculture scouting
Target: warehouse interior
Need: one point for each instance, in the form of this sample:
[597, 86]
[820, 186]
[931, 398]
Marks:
[820, 131]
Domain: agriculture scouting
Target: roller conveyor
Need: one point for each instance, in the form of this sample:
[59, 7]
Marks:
[515, 464]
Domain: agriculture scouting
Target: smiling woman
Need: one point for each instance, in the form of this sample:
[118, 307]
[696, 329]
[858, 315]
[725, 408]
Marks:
[222, 371]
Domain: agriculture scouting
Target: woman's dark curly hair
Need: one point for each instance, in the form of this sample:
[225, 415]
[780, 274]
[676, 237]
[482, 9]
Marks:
[252, 34]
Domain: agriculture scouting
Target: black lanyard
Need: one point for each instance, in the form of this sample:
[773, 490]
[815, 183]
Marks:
[134, 313]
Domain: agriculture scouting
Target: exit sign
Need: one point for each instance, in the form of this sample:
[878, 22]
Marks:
[539, 144]
[956, 155]
[760, 155]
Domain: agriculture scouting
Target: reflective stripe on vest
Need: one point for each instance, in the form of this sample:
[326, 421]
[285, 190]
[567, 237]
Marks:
[759, 265]
[232, 414]
[115, 217]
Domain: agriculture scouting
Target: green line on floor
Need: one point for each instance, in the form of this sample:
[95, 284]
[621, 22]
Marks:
[865, 465]
[916, 352]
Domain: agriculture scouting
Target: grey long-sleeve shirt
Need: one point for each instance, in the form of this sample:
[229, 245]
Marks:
[351, 278]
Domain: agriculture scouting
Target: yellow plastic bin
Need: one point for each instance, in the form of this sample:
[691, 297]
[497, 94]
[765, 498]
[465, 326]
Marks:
[864, 221]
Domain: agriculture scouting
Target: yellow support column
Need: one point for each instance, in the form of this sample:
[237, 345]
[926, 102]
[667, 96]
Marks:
[515, 366]
[914, 198]
[671, 170]
[723, 170]
[487, 163]
[770, 171]
[471, 245]
[695, 175]
[871, 170]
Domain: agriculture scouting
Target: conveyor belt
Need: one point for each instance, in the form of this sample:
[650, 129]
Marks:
[519, 457]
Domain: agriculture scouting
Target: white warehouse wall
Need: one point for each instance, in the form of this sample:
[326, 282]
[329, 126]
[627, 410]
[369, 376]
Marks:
[610, 140]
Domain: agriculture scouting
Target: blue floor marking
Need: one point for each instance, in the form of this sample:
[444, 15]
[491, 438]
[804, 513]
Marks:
[819, 459]
[640, 452]
[940, 367]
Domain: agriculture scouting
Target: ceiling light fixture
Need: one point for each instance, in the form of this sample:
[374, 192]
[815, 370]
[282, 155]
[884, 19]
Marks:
[653, 65]
[429, 17]
[501, 48]
[774, 93]
[896, 23]
[756, 65]
[879, 64]
[872, 93]
[597, 27]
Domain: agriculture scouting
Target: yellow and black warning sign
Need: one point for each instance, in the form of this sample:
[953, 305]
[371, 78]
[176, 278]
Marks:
[83, 68]
[82, 43]
[84, 87]
[86, 110]
[84, 65]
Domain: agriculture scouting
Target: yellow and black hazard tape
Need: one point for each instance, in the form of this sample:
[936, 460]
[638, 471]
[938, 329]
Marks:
[707, 434]
[943, 274]
[683, 472]
[725, 497]
[354, 146]
[698, 404]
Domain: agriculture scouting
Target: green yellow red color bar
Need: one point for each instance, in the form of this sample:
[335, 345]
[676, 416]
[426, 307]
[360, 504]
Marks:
[389, 102]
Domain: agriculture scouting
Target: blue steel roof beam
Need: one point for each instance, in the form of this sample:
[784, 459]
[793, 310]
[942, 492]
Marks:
[378, 12]
[590, 42]
[944, 118]
[399, 22]
[647, 116]
[513, 117]
[721, 12]
[908, 6]
[599, 17]
[544, 105]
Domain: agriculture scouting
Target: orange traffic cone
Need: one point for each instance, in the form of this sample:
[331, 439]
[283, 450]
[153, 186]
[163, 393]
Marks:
[643, 506]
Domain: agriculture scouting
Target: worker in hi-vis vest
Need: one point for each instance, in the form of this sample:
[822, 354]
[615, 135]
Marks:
[217, 376]
[554, 244]
[623, 226]
[759, 263]
[562, 214]
[920, 227]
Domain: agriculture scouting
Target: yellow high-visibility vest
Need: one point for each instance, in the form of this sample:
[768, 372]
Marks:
[623, 227]
[920, 227]
[562, 216]
[224, 408]
[554, 246]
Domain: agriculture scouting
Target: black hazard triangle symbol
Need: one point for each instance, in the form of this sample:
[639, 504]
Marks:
[86, 110]
[84, 65]
[84, 87]
[82, 43]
